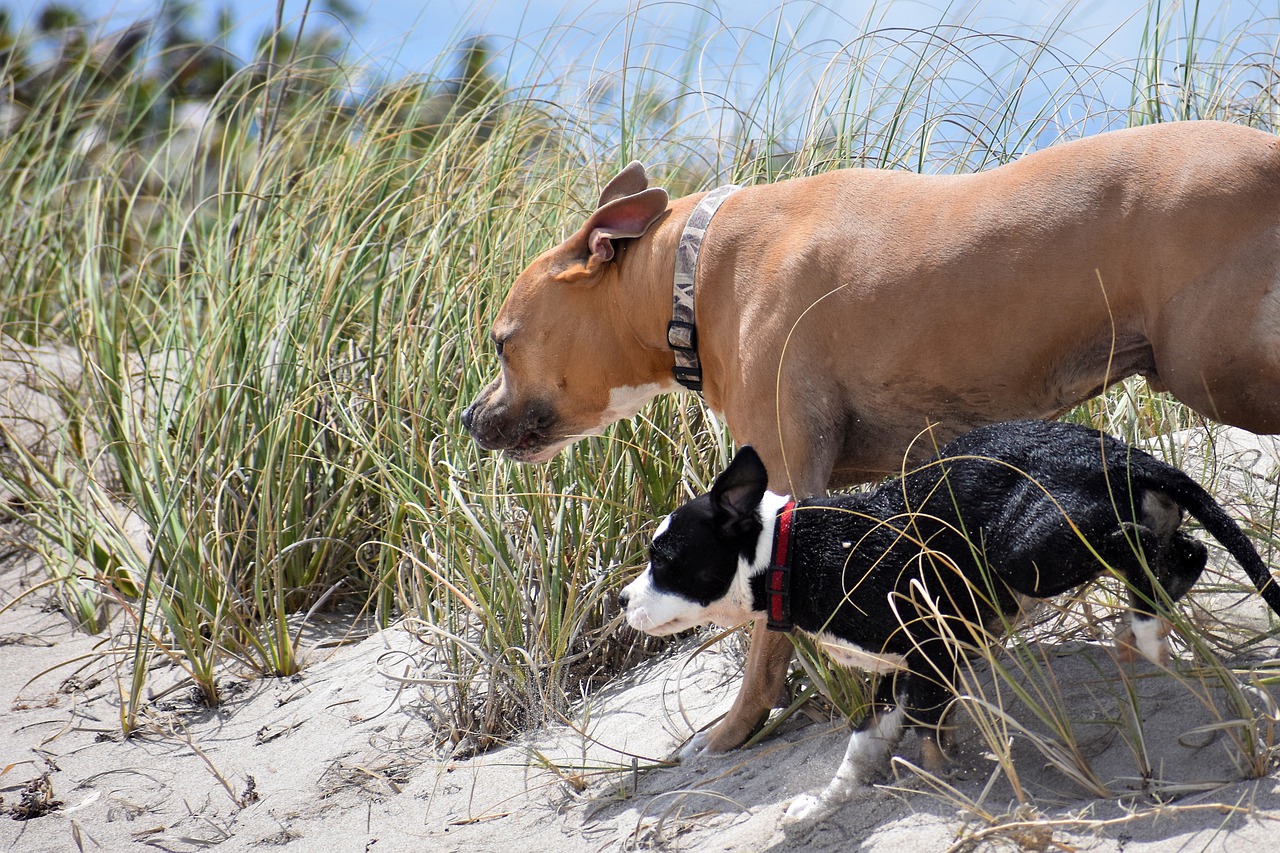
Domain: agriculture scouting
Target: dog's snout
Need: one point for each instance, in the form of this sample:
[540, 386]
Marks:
[467, 416]
[542, 418]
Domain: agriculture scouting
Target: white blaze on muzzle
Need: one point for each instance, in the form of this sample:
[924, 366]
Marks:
[659, 613]
[653, 611]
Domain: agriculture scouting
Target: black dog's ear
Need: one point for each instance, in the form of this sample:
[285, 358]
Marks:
[737, 492]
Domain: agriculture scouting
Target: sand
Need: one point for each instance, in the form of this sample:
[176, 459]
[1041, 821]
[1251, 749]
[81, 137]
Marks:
[344, 757]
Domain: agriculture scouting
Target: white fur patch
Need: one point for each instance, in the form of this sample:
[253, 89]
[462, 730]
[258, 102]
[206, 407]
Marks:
[659, 613]
[627, 401]
[624, 402]
[846, 653]
[696, 747]
[770, 504]
[1151, 638]
[869, 749]
[552, 449]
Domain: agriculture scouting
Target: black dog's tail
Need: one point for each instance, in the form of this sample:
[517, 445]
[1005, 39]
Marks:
[1192, 497]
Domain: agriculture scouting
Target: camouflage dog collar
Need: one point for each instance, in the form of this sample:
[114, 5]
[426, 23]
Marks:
[682, 334]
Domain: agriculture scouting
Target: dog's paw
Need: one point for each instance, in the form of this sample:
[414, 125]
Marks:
[1145, 639]
[713, 741]
[806, 810]
[697, 747]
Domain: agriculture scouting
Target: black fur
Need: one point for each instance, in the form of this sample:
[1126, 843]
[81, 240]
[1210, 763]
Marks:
[1027, 507]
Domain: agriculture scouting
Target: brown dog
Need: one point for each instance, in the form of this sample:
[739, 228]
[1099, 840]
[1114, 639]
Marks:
[839, 315]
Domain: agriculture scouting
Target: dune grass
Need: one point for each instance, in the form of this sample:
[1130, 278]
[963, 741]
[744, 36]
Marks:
[278, 314]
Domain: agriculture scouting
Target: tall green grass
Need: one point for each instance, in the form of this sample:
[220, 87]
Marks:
[278, 319]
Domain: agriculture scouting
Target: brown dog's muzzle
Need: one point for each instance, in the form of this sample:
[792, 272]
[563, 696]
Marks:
[525, 433]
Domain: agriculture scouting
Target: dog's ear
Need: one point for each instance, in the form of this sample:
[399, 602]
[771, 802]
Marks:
[737, 492]
[629, 181]
[620, 218]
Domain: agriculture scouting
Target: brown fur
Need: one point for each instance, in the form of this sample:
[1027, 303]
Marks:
[841, 314]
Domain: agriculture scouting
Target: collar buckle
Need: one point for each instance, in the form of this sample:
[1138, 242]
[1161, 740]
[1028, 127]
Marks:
[689, 377]
[682, 336]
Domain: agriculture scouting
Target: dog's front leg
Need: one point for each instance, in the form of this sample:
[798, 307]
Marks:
[868, 751]
[763, 686]
[803, 471]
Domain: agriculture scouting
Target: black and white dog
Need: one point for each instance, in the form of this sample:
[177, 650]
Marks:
[901, 579]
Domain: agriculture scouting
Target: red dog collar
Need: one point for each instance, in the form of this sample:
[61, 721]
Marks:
[778, 580]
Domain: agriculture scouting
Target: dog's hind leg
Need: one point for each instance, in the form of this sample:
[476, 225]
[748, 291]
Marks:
[1225, 363]
[1134, 554]
[1173, 561]
[1147, 634]
[1144, 637]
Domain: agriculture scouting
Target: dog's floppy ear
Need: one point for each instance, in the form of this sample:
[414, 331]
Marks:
[737, 492]
[621, 217]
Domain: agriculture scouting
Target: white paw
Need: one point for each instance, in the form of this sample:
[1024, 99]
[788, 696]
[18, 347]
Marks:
[806, 809]
[1152, 636]
[1145, 638]
[696, 747]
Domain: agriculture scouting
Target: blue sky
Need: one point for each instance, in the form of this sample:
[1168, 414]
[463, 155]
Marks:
[411, 36]
[783, 73]
[728, 48]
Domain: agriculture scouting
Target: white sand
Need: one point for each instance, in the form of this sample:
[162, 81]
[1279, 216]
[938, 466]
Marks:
[341, 758]
[344, 758]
